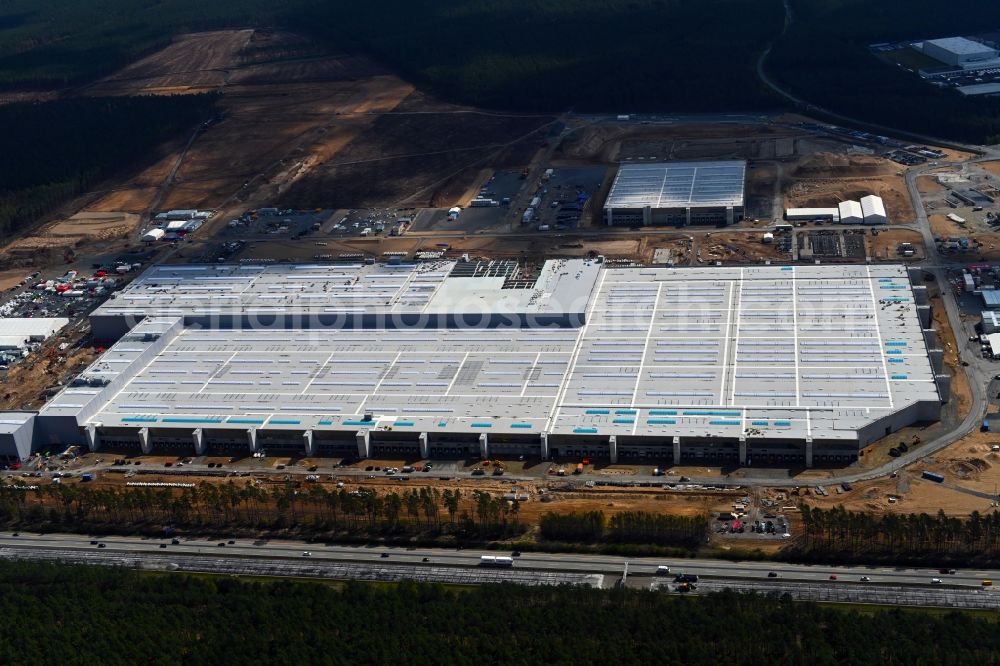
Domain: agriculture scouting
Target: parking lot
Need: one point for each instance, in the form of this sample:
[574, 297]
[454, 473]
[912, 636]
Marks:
[284, 223]
[564, 198]
[501, 188]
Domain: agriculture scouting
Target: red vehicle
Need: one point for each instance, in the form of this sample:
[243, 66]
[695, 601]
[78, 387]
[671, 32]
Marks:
[833, 576]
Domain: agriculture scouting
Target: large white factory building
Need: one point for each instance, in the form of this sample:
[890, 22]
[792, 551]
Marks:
[677, 193]
[754, 365]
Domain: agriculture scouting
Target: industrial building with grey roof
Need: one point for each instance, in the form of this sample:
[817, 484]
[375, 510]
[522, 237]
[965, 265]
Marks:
[803, 364]
[677, 193]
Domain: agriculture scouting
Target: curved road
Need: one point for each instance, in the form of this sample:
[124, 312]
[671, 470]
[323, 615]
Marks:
[809, 106]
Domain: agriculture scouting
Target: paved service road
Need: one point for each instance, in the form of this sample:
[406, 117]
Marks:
[137, 550]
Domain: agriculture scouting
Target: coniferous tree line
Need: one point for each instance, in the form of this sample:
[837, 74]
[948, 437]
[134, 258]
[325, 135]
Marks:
[837, 534]
[55, 150]
[76, 614]
[314, 510]
[631, 527]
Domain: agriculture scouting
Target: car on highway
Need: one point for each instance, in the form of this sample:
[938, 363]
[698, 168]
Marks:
[772, 574]
[935, 581]
[231, 542]
[516, 553]
[833, 576]
[175, 542]
[384, 555]
[306, 553]
[426, 559]
[163, 545]
[222, 543]
[662, 570]
[946, 571]
[93, 542]
[102, 545]
[866, 579]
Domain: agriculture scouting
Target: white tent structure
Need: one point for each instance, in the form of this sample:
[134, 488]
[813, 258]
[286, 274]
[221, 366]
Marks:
[873, 210]
[850, 212]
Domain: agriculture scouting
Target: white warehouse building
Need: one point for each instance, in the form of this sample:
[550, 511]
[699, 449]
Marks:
[959, 51]
[795, 214]
[851, 213]
[751, 365]
[677, 193]
[873, 210]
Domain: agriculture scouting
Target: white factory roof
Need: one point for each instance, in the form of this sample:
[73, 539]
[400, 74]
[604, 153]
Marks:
[850, 209]
[872, 205]
[991, 298]
[769, 352]
[353, 289]
[11, 422]
[802, 213]
[981, 88]
[678, 185]
[961, 46]
[16, 331]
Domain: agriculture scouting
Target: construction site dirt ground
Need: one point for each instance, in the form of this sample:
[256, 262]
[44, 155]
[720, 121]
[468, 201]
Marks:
[329, 130]
[942, 227]
[885, 246]
[743, 247]
[26, 386]
[198, 62]
[823, 180]
[61, 240]
[911, 495]
[992, 167]
[287, 111]
[929, 185]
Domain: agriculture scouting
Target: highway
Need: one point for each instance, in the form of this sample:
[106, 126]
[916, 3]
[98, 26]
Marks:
[137, 550]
